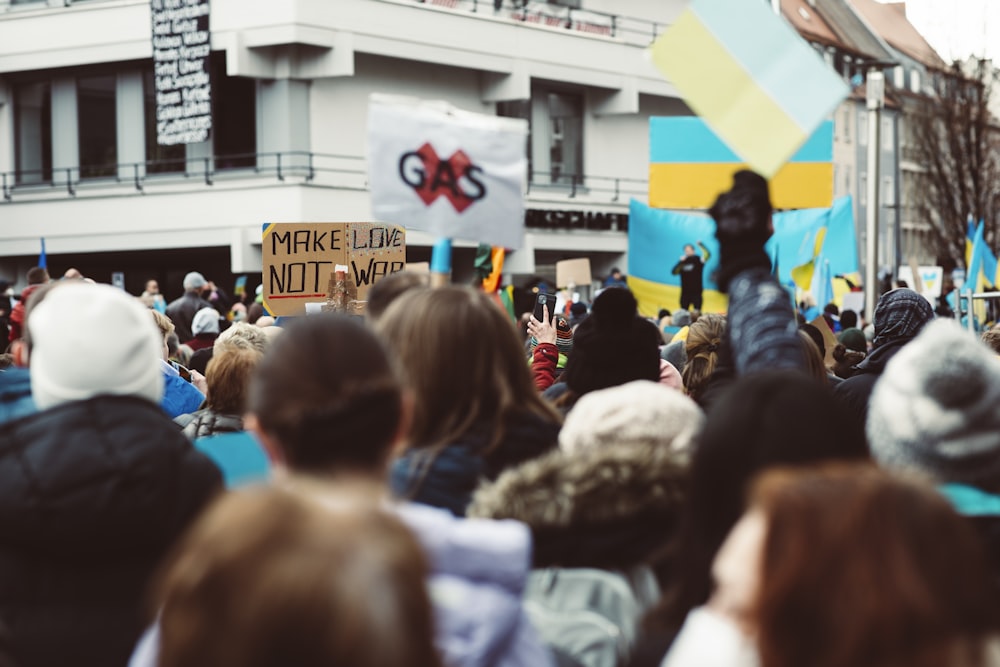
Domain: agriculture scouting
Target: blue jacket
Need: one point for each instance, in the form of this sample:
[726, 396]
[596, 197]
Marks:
[15, 394]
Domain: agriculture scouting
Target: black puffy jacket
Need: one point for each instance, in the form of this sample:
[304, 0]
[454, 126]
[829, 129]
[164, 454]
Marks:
[92, 496]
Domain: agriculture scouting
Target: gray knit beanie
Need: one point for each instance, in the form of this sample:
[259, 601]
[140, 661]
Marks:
[935, 408]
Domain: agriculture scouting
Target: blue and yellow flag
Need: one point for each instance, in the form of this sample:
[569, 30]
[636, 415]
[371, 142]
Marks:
[746, 71]
[689, 165]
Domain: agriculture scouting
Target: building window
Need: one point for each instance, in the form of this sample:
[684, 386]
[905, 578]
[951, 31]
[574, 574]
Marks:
[566, 137]
[915, 81]
[847, 179]
[33, 132]
[555, 135]
[863, 127]
[847, 125]
[863, 188]
[888, 191]
[234, 117]
[159, 159]
[887, 135]
[97, 126]
[899, 77]
[519, 109]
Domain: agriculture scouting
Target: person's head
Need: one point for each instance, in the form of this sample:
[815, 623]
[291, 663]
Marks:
[641, 413]
[242, 336]
[900, 314]
[326, 400]
[86, 340]
[616, 273]
[992, 339]
[844, 360]
[688, 249]
[703, 342]
[152, 287]
[228, 377]
[194, 282]
[72, 274]
[166, 327]
[848, 319]
[680, 318]
[816, 336]
[934, 409]
[663, 313]
[37, 275]
[173, 345]
[854, 339]
[461, 358]
[857, 568]
[614, 345]
[303, 576]
[205, 322]
[390, 288]
[815, 363]
[765, 419]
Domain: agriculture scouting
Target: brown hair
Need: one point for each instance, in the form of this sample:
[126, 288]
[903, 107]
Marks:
[327, 392]
[461, 357]
[228, 377]
[815, 366]
[703, 342]
[297, 576]
[861, 569]
[992, 338]
[390, 288]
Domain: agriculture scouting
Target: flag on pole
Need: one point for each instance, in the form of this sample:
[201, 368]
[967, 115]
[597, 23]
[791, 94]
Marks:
[743, 69]
[453, 173]
[42, 259]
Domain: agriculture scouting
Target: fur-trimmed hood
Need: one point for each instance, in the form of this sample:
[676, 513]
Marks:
[610, 507]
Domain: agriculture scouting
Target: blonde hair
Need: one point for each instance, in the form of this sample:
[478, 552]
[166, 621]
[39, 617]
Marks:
[297, 575]
[163, 323]
[815, 364]
[703, 342]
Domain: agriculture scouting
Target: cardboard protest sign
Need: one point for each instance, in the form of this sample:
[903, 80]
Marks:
[575, 272]
[300, 261]
[829, 339]
[456, 174]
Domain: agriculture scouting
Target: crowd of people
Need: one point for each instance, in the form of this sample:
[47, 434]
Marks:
[436, 485]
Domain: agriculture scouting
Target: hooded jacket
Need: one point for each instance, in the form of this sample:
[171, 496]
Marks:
[92, 496]
[593, 508]
[448, 478]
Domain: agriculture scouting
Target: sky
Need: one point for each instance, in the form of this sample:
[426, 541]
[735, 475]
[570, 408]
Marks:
[958, 28]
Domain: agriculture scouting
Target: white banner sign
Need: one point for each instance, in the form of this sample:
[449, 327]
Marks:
[453, 173]
[931, 280]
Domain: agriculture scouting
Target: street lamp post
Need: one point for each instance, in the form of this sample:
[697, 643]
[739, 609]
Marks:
[875, 102]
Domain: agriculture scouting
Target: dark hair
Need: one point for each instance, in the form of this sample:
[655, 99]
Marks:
[816, 336]
[836, 534]
[663, 313]
[761, 420]
[848, 319]
[815, 362]
[328, 393]
[390, 288]
[37, 275]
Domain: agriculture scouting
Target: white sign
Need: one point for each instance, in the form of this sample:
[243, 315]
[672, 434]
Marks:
[931, 279]
[452, 173]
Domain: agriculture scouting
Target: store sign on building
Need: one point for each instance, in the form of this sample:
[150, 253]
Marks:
[181, 47]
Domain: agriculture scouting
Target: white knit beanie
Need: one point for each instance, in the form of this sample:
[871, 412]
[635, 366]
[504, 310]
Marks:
[935, 408]
[639, 412]
[89, 339]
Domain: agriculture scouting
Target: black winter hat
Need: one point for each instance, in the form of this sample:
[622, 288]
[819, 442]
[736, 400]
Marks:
[614, 345]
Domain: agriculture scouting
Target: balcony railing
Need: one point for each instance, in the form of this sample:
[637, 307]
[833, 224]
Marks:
[348, 172]
[635, 31]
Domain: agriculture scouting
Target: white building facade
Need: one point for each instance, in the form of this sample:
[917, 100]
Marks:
[80, 166]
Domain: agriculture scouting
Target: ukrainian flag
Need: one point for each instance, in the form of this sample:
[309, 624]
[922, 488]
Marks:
[690, 165]
[746, 71]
